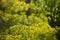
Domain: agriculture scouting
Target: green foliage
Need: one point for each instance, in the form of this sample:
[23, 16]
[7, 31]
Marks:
[36, 32]
[15, 25]
[53, 7]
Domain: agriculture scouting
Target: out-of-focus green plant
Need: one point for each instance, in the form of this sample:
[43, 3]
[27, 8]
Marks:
[36, 32]
[52, 6]
[15, 25]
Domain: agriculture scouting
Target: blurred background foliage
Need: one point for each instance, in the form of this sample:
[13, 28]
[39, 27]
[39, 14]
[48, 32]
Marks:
[36, 20]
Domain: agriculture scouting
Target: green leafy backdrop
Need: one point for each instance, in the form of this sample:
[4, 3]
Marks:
[37, 20]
